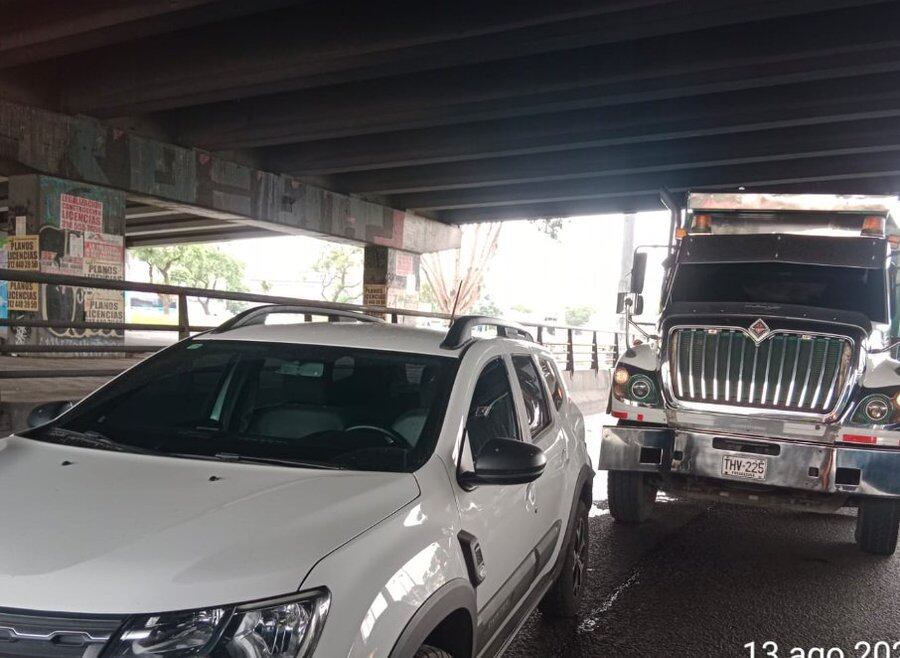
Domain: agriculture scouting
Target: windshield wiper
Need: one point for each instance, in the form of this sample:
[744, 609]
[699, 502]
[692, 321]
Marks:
[277, 461]
[92, 439]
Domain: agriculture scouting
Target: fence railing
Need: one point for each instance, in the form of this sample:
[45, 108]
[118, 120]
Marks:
[574, 348]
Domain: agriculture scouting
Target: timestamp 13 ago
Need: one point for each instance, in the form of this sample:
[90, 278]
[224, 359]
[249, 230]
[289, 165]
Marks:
[862, 649]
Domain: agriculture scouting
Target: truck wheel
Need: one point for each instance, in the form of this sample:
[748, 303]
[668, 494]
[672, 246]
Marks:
[877, 523]
[563, 597]
[631, 496]
[430, 652]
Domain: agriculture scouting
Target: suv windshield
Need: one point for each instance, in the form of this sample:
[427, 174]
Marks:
[330, 407]
[841, 288]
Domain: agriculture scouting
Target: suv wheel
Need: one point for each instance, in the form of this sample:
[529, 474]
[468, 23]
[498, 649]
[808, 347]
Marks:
[631, 496]
[563, 597]
[877, 523]
[430, 652]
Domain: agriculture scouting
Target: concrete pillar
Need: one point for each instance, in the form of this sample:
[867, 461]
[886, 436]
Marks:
[64, 227]
[391, 278]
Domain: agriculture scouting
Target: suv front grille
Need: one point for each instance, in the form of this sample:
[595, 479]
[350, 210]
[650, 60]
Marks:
[788, 371]
[25, 634]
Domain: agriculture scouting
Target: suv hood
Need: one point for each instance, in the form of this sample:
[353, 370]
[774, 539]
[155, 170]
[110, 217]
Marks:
[120, 533]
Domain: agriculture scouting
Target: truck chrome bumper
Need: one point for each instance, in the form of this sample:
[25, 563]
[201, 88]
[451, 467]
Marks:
[791, 465]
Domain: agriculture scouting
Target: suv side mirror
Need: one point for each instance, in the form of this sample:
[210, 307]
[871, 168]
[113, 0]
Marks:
[44, 413]
[505, 461]
[638, 270]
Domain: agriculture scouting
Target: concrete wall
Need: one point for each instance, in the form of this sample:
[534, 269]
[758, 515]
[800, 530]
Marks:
[589, 389]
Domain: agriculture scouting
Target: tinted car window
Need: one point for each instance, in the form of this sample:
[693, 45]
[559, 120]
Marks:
[551, 376]
[533, 394]
[492, 414]
[338, 407]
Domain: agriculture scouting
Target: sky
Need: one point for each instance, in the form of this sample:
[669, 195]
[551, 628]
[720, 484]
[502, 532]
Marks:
[530, 270]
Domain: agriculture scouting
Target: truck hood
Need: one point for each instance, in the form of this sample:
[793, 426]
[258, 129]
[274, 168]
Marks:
[96, 531]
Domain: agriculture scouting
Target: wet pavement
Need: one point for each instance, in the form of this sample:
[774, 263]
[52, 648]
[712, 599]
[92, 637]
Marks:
[705, 580]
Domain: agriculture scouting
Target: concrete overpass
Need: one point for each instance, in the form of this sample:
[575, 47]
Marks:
[232, 118]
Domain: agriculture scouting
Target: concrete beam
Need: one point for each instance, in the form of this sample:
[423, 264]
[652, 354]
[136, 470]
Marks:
[196, 182]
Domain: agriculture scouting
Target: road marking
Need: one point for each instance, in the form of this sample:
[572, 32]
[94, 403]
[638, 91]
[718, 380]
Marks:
[590, 622]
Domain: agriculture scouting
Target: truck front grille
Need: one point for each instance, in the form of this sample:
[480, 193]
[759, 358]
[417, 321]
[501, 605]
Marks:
[25, 634]
[788, 371]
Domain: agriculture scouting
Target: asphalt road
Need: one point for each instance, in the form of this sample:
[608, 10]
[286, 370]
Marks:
[705, 580]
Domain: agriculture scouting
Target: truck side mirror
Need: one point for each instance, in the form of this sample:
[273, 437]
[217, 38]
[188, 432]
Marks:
[638, 307]
[638, 270]
[620, 302]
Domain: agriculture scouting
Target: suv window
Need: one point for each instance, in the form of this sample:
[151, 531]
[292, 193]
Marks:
[492, 414]
[536, 406]
[551, 376]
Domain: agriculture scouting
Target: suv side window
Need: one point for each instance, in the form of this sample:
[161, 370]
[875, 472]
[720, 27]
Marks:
[533, 393]
[492, 414]
[551, 376]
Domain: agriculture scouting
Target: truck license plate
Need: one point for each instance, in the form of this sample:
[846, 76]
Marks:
[744, 467]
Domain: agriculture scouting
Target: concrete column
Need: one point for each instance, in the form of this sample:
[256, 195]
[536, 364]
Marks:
[64, 227]
[391, 278]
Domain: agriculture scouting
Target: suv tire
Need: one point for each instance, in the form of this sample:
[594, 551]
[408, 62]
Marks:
[430, 652]
[564, 596]
[631, 496]
[877, 523]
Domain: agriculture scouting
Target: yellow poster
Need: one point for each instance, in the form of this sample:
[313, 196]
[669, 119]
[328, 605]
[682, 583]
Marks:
[23, 253]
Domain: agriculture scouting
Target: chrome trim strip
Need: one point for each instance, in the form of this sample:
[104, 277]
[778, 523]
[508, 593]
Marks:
[790, 393]
[818, 390]
[834, 379]
[16, 635]
[691, 367]
[809, 367]
[716, 367]
[728, 366]
[678, 375]
[765, 388]
[703, 366]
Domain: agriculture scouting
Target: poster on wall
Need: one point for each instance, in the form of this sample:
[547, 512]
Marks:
[22, 253]
[23, 296]
[80, 214]
[4, 300]
[104, 306]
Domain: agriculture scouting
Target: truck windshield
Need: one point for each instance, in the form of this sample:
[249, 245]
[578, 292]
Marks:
[841, 288]
[319, 406]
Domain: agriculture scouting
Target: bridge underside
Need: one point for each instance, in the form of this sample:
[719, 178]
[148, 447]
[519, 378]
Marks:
[473, 110]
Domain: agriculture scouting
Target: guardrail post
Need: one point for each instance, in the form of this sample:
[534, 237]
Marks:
[540, 334]
[570, 351]
[184, 326]
[595, 356]
[615, 348]
[394, 318]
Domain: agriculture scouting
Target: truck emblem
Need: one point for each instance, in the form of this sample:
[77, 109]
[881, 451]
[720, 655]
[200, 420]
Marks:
[759, 330]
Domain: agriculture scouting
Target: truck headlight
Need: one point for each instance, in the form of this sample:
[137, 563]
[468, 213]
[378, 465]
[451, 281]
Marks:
[875, 409]
[281, 628]
[635, 386]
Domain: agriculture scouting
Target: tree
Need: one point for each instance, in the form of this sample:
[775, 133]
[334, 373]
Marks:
[195, 265]
[551, 226]
[341, 269]
[487, 306]
[456, 276]
[577, 316]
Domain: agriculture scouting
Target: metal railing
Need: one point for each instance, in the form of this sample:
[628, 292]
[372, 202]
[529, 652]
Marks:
[574, 348]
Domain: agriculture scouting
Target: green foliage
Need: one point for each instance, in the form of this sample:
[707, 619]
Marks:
[338, 266]
[195, 265]
[487, 306]
[551, 226]
[577, 316]
[521, 308]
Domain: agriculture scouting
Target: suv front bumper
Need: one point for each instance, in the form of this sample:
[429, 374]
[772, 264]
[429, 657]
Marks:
[804, 466]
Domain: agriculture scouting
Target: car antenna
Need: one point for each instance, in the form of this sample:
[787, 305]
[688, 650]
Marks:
[456, 301]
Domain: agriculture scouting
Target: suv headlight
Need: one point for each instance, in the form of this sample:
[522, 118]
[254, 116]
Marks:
[287, 627]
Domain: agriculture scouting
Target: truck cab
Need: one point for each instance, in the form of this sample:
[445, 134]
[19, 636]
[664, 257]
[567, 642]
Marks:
[770, 378]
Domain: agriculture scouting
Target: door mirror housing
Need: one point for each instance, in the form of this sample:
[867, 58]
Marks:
[44, 413]
[627, 299]
[505, 461]
[638, 270]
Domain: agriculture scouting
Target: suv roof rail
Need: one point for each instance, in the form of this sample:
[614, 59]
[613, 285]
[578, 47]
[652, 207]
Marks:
[258, 315]
[461, 329]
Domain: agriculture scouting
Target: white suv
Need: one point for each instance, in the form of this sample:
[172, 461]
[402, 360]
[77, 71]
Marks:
[283, 490]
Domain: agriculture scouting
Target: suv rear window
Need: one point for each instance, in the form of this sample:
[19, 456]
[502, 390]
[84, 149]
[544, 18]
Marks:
[337, 407]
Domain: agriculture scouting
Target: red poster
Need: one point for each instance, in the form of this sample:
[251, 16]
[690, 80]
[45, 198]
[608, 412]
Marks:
[79, 214]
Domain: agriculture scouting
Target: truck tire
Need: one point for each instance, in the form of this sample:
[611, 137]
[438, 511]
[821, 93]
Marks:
[562, 599]
[877, 524]
[430, 652]
[631, 496]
